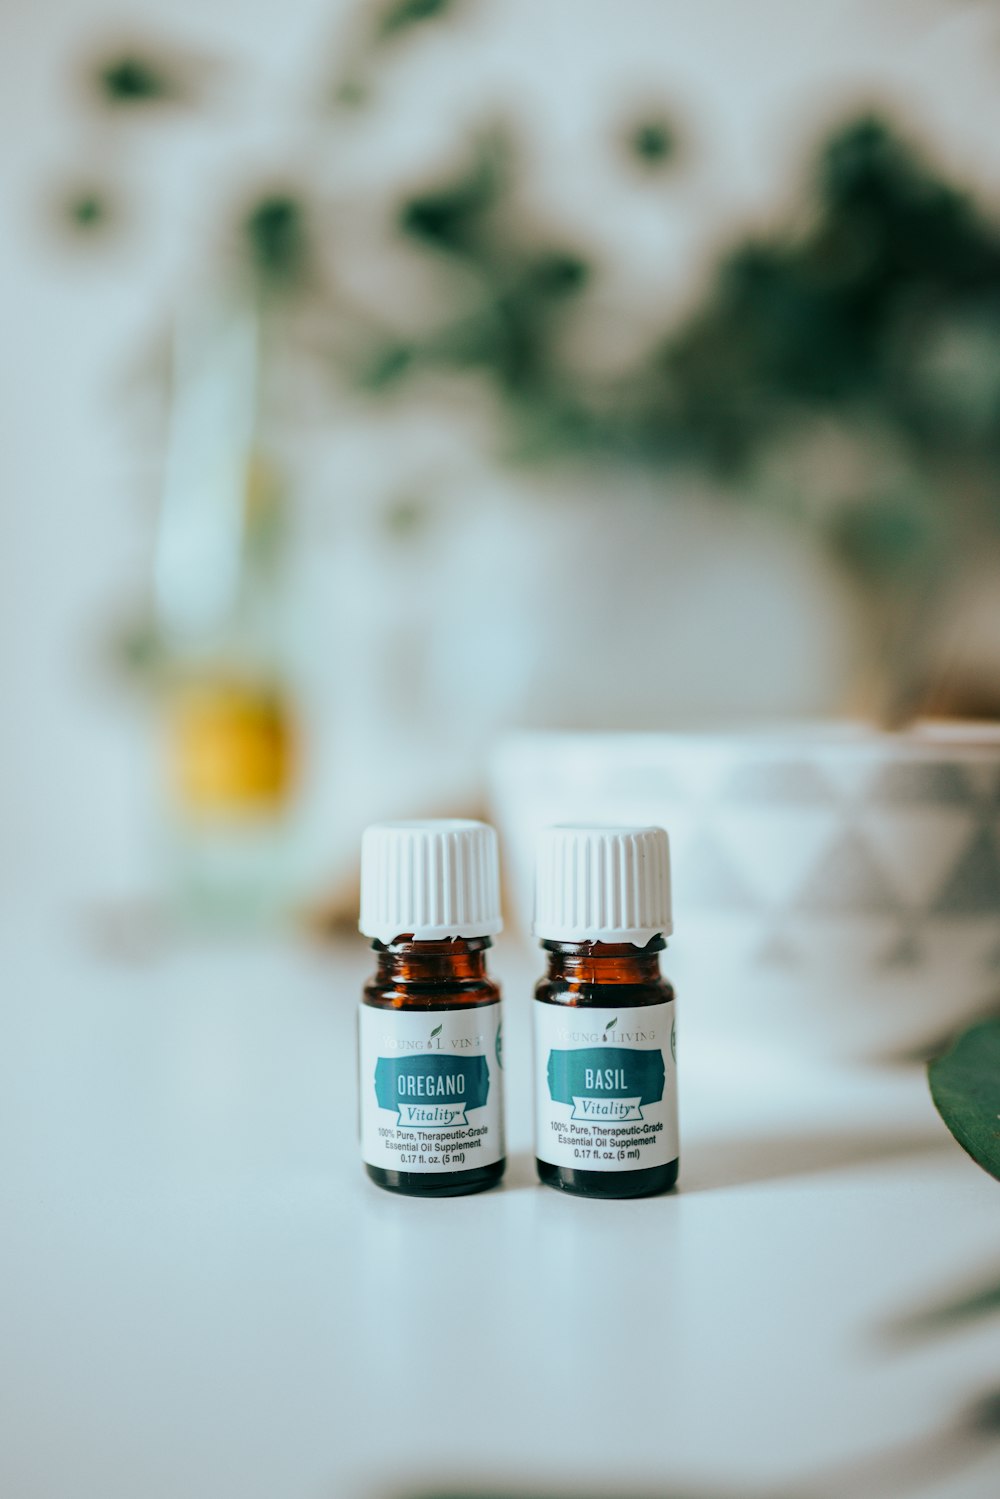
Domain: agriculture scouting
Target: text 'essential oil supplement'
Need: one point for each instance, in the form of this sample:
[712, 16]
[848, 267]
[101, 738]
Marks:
[605, 1043]
[430, 1049]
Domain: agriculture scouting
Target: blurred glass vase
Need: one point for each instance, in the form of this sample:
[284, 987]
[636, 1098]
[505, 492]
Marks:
[222, 622]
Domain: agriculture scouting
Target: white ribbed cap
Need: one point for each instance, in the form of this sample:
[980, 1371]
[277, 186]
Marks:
[598, 884]
[434, 879]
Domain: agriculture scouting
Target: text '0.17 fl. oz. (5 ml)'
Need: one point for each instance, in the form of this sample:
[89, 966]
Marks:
[430, 1053]
[605, 1047]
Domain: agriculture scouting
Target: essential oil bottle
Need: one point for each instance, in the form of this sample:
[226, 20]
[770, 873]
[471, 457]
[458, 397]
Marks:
[605, 1048]
[430, 1049]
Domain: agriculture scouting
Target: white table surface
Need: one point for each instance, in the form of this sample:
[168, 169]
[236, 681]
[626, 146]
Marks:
[202, 1295]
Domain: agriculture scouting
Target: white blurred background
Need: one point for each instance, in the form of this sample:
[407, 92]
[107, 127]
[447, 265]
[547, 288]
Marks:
[438, 591]
[382, 381]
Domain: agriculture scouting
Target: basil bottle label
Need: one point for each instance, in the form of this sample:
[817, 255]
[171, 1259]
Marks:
[430, 1088]
[605, 1086]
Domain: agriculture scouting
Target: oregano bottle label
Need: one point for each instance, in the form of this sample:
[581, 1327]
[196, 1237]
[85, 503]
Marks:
[429, 1048]
[431, 1094]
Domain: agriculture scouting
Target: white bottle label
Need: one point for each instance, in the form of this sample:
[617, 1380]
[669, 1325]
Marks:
[431, 1093]
[605, 1086]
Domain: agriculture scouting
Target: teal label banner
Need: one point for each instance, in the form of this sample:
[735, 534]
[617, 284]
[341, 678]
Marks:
[606, 1082]
[431, 1092]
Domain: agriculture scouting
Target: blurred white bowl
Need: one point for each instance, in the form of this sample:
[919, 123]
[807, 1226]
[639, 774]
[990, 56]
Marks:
[835, 889]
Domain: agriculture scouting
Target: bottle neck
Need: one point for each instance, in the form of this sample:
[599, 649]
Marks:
[460, 960]
[579, 963]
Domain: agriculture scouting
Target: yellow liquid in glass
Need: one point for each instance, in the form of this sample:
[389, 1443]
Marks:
[231, 749]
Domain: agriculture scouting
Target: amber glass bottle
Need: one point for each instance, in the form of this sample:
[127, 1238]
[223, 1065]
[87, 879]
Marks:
[605, 1047]
[430, 1047]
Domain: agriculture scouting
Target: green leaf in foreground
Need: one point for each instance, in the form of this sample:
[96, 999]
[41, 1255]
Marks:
[965, 1086]
[437, 1031]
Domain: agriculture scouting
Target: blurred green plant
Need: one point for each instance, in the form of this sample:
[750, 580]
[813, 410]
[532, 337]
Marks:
[654, 142]
[965, 1087]
[402, 14]
[140, 76]
[275, 240]
[453, 217]
[879, 318]
[951, 1448]
[87, 209]
[508, 329]
[134, 80]
[379, 25]
[954, 1311]
[843, 370]
[835, 318]
[832, 321]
